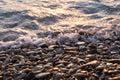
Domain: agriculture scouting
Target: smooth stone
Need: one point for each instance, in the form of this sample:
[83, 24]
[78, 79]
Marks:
[29, 53]
[58, 76]
[70, 48]
[67, 57]
[82, 48]
[71, 65]
[22, 75]
[94, 64]
[92, 46]
[62, 62]
[43, 45]
[117, 77]
[72, 52]
[72, 71]
[1, 77]
[30, 76]
[101, 67]
[60, 65]
[114, 48]
[91, 57]
[2, 52]
[2, 58]
[43, 75]
[80, 43]
[38, 67]
[53, 46]
[80, 76]
[113, 72]
[64, 70]
[114, 60]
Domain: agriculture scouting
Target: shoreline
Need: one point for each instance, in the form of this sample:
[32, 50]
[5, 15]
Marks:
[80, 60]
[60, 39]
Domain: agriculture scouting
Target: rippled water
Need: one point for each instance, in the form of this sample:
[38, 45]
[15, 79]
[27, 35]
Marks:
[48, 21]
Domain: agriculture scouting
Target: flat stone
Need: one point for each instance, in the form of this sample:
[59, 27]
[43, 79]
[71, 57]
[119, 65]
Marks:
[114, 48]
[80, 43]
[58, 76]
[94, 64]
[114, 61]
[21, 76]
[80, 76]
[117, 77]
[113, 72]
[43, 75]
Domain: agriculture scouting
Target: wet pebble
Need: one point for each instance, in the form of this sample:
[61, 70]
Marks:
[114, 61]
[43, 75]
[93, 64]
[21, 76]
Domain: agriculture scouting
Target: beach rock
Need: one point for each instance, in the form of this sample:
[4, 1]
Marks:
[80, 76]
[114, 48]
[113, 72]
[59, 76]
[21, 76]
[114, 60]
[117, 77]
[44, 75]
[72, 71]
[93, 64]
[80, 43]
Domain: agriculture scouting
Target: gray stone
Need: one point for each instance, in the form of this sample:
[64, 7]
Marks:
[22, 75]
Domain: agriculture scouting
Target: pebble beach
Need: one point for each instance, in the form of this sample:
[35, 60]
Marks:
[59, 40]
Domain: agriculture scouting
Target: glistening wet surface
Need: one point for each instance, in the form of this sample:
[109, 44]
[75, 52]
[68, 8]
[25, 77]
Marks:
[44, 20]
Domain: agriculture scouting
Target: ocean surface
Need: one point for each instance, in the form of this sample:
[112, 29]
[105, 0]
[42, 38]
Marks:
[50, 21]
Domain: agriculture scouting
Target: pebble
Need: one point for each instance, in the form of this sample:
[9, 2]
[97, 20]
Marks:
[114, 61]
[42, 75]
[114, 48]
[21, 76]
[62, 62]
[72, 71]
[80, 76]
[58, 76]
[91, 63]
[80, 43]
[117, 77]
[113, 72]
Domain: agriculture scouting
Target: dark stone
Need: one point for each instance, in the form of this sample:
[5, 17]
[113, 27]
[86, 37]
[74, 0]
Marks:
[114, 48]
[43, 45]
[58, 76]
[114, 61]
[21, 76]
[90, 65]
[30, 76]
[80, 76]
